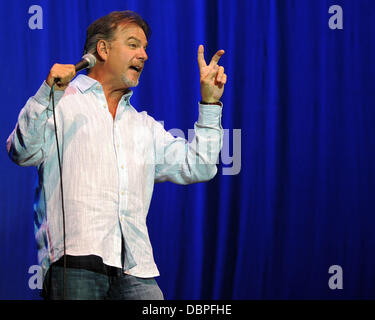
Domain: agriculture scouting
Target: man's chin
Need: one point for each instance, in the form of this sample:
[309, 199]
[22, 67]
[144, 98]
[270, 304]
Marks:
[130, 83]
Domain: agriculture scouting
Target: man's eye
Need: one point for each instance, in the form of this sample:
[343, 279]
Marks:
[132, 45]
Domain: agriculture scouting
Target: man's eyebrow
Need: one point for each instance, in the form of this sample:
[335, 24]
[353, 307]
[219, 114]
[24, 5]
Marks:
[136, 39]
[132, 37]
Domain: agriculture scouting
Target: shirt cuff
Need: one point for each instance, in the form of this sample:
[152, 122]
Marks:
[42, 95]
[210, 114]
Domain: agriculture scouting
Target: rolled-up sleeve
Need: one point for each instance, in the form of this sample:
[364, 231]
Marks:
[182, 162]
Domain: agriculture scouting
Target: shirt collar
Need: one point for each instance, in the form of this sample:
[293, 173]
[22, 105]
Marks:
[86, 84]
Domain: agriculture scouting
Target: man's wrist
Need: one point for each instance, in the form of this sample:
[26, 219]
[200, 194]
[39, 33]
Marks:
[209, 103]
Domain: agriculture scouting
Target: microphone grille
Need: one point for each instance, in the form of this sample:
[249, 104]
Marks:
[90, 58]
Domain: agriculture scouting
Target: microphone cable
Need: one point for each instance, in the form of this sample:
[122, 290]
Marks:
[52, 96]
[88, 61]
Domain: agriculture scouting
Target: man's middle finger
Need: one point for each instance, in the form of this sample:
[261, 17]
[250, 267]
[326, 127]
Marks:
[215, 59]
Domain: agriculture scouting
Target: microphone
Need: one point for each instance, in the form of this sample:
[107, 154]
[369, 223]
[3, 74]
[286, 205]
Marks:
[88, 61]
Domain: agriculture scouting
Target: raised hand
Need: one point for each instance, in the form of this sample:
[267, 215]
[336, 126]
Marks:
[212, 77]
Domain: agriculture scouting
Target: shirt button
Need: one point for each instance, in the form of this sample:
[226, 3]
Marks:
[122, 193]
[122, 166]
[104, 106]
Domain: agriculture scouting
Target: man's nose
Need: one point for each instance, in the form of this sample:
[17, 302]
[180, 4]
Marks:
[142, 54]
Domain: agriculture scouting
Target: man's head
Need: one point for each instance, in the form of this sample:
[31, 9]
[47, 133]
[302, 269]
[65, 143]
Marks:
[118, 40]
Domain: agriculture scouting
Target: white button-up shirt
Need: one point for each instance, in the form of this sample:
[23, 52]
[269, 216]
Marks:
[109, 167]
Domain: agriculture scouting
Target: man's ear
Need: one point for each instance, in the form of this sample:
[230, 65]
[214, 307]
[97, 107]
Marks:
[102, 47]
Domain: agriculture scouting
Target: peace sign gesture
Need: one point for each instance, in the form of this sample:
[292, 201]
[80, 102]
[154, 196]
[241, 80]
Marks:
[212, 77]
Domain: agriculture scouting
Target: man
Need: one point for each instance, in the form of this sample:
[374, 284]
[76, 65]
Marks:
[111, 156]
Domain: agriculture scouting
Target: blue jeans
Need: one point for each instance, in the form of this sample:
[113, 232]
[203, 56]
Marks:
[82, 284]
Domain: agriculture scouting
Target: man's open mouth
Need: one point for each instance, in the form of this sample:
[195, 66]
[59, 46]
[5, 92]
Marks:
[136, 68]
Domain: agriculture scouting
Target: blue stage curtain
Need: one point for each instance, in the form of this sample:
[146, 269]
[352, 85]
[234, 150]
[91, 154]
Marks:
[302, 96]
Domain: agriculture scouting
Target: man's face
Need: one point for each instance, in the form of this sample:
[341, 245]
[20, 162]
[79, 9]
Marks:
[127, 55]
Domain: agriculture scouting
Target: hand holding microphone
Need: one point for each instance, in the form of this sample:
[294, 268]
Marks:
[62, 74]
